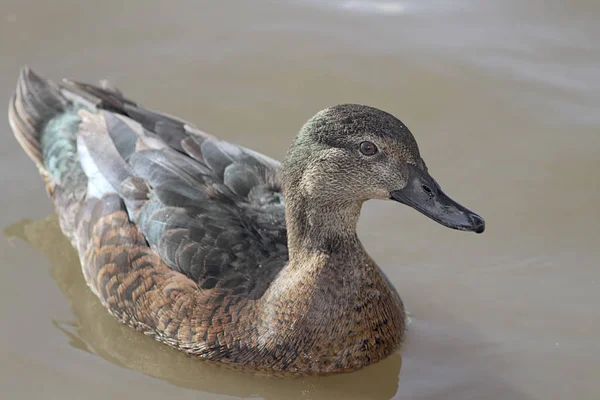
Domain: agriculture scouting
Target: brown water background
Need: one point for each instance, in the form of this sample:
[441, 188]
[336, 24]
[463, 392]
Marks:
[503, 97]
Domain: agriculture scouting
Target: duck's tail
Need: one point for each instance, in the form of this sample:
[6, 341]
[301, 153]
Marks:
[45, 122]
[34, 103]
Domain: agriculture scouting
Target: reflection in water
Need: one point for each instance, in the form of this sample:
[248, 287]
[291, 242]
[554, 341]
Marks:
[97, 332]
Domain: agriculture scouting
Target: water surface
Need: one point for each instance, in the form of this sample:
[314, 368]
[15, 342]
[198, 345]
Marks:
[503, 98]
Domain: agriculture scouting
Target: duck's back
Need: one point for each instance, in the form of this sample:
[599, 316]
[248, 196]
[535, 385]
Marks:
[177, 231]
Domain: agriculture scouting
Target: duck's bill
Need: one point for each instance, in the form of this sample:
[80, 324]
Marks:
[424, 195]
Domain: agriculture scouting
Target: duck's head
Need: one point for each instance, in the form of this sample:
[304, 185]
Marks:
[350, 153]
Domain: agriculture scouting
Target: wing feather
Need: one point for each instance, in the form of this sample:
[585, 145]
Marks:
[210, 209]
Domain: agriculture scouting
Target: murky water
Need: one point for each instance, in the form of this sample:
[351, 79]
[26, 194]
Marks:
[503, 97]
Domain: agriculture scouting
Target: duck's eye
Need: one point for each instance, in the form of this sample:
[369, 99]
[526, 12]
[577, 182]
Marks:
[368, 148]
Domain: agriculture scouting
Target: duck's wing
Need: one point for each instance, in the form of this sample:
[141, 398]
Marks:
[212, 210]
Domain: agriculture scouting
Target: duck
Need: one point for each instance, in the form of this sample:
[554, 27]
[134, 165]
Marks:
[218, 250]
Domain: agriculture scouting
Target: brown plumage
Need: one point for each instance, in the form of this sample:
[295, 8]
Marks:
[217, 250]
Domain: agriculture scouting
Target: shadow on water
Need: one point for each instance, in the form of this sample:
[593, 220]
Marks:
[445, 362]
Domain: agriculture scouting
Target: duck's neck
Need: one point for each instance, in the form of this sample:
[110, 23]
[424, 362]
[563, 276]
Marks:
[321, 226]
[331, 304]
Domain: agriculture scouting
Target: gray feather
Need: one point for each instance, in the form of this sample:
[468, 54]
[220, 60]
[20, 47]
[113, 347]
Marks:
[210, 209]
